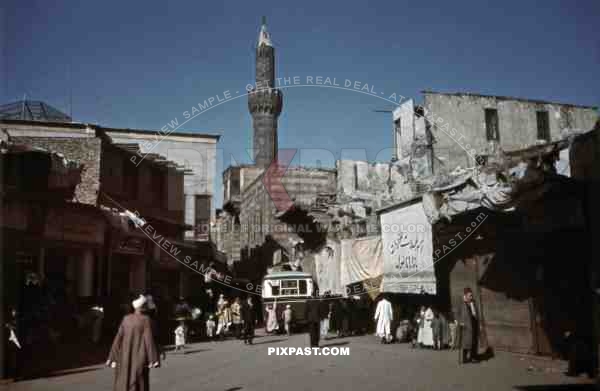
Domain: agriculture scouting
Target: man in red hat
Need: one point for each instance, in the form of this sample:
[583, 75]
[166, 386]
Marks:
[469, 321]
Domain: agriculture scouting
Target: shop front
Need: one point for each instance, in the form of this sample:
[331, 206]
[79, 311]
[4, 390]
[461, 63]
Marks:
[52, 272]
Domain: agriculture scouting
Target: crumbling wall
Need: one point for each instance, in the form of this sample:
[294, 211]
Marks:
[84, 150]
[459, 128]
[374, 184]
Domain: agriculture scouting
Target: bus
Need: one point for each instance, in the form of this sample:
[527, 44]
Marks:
[288, 287]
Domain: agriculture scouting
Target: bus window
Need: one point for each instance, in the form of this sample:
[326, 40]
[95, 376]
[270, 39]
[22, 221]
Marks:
[302, 287]
[289, 287]
[275, 290]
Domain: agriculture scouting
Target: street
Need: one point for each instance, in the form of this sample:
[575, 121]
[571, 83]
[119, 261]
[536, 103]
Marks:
[230, 365]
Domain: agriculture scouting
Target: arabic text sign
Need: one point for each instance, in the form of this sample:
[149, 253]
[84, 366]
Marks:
[407, 251]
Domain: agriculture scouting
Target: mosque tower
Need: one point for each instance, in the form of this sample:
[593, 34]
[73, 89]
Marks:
[265, 102]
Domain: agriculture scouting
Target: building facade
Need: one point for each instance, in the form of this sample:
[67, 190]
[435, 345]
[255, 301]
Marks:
[197, 153]
[459, 127]
[116, 179]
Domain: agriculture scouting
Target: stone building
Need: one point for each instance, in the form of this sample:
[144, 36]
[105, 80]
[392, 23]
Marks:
[452, 129]
[115, 179]
[235, 181]
[196, 152]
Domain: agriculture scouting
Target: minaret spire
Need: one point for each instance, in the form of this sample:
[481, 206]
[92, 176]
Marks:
[263, 37]
[265, 101]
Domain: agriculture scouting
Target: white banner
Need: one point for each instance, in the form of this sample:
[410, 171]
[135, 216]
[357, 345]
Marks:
[407, 251]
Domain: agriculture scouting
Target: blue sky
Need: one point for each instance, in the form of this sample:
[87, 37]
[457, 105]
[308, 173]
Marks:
[141, 64]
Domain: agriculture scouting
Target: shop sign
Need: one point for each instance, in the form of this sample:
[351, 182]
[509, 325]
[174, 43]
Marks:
[130, 245]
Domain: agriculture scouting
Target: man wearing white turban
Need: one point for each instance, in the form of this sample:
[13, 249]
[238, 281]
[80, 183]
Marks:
[133, 351]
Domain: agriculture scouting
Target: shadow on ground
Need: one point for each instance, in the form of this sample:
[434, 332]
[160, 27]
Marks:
[271, 341]
[557, 387]
[72, 372]
[187, 352]
[327, 345]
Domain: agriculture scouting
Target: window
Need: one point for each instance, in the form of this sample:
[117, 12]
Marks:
[274, 284]
[397, 134]
[543, 126]
[491, 125]
[289, 287]
[202, 217]
[302, 287]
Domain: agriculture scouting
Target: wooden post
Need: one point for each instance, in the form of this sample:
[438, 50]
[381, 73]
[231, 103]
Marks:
[481, 321]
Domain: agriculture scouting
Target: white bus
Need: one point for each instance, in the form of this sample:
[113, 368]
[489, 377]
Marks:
[288, 287]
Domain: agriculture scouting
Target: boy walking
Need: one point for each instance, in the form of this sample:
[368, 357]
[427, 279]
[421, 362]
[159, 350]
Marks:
[180, 334]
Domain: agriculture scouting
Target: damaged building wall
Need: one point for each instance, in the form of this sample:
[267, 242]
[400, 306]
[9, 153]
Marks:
[75, 141]
[258, 210]
[413, 140]
[376, 184]
[460, 124]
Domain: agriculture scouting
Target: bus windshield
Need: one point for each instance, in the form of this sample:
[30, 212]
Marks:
[289, 287]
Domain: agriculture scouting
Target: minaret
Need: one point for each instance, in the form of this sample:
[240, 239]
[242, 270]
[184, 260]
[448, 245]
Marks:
[265, 101]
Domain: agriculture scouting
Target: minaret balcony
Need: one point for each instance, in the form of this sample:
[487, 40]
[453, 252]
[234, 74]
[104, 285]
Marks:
[268, 100]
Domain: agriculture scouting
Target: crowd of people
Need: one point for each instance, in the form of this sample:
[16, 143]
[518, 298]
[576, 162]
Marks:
[340, 316]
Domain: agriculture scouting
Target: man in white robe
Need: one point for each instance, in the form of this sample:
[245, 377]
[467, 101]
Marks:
[427, 330]
[384, 316]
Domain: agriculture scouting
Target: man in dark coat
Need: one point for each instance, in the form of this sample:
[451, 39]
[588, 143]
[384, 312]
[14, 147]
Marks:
[133, 351]
[313, 314]
[248, 314]
[469, 322]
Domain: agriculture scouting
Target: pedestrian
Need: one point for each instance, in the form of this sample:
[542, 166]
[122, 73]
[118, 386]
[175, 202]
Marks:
[436, 328]
[444, 331]
[180, 334]
[313, 318]
[325, 317]
[224, 317]
[453, 326]
[133, 351]
[272, 322]
[14, 346]
[287, 319]
[249, 319]
[469, 322]
[427, 332]
[421, 321]
[236, 317]
[210, 327]
[384, 316]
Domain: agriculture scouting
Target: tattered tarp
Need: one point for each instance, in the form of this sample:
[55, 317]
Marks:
[504, 182]
[328, 268]
[468, 193]
[362, 259]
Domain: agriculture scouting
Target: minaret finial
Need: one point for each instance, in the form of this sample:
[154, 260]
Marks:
[263, 37]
